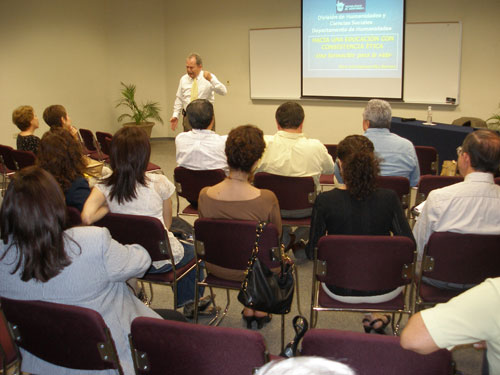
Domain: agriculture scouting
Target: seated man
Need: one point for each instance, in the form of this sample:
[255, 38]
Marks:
[56, 117]
[465, 319]
[201, 148]
[290, 153]
[397, 155]
[471, 206]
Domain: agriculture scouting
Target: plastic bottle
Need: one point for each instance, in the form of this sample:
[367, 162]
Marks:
[429, 115]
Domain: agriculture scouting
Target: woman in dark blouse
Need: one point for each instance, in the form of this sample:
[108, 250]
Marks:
[358, 208]
[25, 119]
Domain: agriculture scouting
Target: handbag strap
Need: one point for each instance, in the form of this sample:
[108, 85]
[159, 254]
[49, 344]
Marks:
[255, 250]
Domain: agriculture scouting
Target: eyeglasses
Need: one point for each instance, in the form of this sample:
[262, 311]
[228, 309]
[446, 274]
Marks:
[459, 150]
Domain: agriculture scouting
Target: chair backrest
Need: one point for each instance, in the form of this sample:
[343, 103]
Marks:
[332, 150]
[400, 185]
[229, 243]
[146, 231]
[172, 347]
[73, 217]
[23, 159]
[64, 335]
[497, 180]
[474, 122]
[9, 354]
[293, 193]
[365, 262]
[374, 354]
[462, 258]
[88, 139]
[428, 183]
[6, 154]
[101, 138]
[189, 182]
[428, 159]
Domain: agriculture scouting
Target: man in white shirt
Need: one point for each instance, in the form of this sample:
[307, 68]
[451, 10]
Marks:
[471, 206]
[468, 318]
[290, 153]
[195, 84]
[201, 148]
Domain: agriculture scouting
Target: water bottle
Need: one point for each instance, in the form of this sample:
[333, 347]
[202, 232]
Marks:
[429, 115]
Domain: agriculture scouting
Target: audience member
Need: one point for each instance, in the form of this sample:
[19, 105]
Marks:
[236, 198]
[61, 155]
[41, 259]
[130, 190]
[290, 153]
[25, 119]
[305, 366]
[201, 148]
[397, 155]
[468, 318]
[56, 117]
[358, 208]
[471, 206]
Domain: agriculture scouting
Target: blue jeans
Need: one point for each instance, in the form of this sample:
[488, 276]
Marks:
[185, 287]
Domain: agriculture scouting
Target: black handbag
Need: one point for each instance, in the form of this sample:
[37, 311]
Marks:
[262, 289]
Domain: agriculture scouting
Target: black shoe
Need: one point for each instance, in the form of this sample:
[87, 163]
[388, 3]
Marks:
[249, 319]
[263, 320]
[203, 304]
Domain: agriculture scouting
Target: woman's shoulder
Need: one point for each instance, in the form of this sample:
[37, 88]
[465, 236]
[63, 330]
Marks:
[88, 234]
[268, 195]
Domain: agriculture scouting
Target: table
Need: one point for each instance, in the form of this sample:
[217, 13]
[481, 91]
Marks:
[444, 137]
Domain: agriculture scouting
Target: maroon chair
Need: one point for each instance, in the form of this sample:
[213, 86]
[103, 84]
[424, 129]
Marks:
[7, 164]
[150, 233]
[428, 183]
[101, 138]
[10, 358]
[91, 144]
[428, 160]
[73, 217]
[162, 347]
[456, 258]
[400, 185]
[293, 193]
[497, 180]
[64, 335]
[188, 184]
[327, 179]
[23, 159]
[374, 354]
[364, 263]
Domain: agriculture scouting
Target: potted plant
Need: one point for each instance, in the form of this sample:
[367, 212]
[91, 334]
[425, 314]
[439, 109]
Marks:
[140, 113]
[494, 122]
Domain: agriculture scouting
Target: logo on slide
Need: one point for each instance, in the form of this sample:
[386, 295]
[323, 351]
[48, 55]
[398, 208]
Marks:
[351, 6]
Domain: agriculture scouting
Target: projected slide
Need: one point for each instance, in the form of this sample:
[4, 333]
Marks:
[352, 48]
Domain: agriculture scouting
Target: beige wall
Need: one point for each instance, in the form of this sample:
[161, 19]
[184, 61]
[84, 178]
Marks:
[76, 53]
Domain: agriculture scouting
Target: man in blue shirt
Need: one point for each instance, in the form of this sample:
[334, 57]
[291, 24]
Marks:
[397, 155]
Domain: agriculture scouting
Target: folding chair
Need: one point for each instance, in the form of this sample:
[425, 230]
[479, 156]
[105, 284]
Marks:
[364, 263]
[327, 179]
[400, 185]
[64, 335]
[229, 244]
[7, 164]
[168, 347]
[456, 258]
[428, 183]
[92, 145]
[23, 159]
[10, 358]
[150, 233]
[374, 354]
[428, 160]
[188, 184]
[101, 139]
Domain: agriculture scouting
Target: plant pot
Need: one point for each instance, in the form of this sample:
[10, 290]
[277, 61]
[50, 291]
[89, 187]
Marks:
[146, 126]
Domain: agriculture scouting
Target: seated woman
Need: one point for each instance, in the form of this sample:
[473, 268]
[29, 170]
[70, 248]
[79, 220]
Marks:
[236, 198]
[358, 208]
[61, 155]
[25, 119]
[130, 190]
[40, 259]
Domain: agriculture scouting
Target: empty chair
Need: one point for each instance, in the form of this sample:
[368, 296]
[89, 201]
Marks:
[374, 354]
[23, 159]
[162, 347]
[188, 184]
[456, 258]
[91, 144]
[10, 358]
[428, 160]
[64, 335]
[101, 139]
[327, 179]
[400, 185]
[364, 263]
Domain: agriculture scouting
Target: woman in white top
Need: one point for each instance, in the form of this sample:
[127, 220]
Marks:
[130, 190]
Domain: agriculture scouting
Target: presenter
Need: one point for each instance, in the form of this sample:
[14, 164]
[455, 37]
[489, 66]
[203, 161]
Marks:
[195, 84]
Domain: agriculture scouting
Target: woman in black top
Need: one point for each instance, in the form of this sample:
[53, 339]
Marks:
[358, 208]
[25, 119]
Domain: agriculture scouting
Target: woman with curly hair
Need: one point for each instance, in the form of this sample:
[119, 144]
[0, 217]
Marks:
[236, 198]
[61, 155]
[25, 119]
[359, 208]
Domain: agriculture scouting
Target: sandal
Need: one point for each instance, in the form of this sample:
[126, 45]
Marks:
[380, 330]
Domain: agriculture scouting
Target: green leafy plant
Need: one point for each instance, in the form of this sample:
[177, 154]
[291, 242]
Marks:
[494, 122]
[140, 113]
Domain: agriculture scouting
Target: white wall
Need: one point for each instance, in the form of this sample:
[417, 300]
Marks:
[76, 53]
